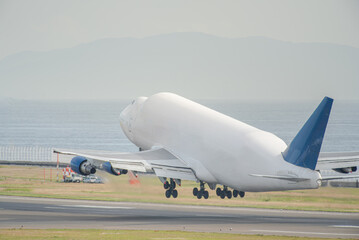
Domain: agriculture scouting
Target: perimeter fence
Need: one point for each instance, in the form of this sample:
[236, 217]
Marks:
[26, 153]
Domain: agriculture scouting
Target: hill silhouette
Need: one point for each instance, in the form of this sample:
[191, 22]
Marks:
[191, 64]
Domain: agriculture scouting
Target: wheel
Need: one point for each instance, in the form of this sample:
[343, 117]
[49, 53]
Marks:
[223, 194]
[229, 194]
[199, 195]
[174, 193]
[173, 184]
[241, 194]
[168, 193]
[166, 185]
[195, 191]
[235, 193]
[218, 191]
[205, 194]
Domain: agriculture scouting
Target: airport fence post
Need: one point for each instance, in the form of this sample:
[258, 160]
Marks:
[57, 166]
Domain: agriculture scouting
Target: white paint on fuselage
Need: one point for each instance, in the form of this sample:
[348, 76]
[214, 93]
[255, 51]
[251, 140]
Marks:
[218, 148]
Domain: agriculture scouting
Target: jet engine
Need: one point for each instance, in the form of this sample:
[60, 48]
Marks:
[108, 168]
[345, 170]
[82, 166]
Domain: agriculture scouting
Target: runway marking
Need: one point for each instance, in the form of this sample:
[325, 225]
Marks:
[295, 232]
[56, 207]
[208, 215]
[168, 238]
[345, 226]
[95, 206]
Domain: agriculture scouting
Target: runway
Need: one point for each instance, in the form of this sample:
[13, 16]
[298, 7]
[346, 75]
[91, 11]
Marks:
[58, 213]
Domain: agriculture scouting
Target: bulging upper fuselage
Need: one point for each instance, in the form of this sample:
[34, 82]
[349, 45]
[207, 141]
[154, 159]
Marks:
[218, 148]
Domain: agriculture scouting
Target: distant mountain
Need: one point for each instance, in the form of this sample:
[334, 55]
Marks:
[192, 64]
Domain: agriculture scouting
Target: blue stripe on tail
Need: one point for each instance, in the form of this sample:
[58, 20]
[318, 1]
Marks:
[304, 150]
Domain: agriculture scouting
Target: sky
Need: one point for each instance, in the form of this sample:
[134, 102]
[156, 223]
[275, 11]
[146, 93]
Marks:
[47, 24]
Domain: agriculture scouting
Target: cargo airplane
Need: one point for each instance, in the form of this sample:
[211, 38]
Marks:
[183, 140]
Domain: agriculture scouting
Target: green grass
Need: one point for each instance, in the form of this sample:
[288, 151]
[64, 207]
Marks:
[17, 190]
[307, 199]
[29, 181]
[90, 234]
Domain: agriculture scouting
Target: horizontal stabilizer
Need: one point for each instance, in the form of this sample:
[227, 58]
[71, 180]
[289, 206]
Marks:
[339, 177]
[304, 150]
[282, 177]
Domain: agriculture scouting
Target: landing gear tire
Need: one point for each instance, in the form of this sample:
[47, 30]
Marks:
[195, 191]
[170, 186]
[201, 192]
[241, 194]
[205, 194]
[229, 194]
[218, 191]
[235, 193]
[174, 193]
[223, 194]
[168, 193]
[173, 184]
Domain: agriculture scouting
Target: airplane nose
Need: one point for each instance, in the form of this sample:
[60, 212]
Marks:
[124, 115]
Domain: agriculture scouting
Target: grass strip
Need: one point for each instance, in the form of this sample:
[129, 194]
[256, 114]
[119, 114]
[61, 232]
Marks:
[89, 234]
[35, 182]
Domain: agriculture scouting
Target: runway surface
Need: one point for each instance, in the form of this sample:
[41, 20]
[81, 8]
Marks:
[58, 213]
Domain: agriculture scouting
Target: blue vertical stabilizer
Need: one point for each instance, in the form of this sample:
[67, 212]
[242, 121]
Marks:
[304, 150]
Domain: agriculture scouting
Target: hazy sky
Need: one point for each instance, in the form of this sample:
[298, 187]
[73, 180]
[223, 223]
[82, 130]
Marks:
[47, 25]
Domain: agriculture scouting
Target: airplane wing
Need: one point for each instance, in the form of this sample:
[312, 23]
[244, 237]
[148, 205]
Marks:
[337, 160]
[158, 161]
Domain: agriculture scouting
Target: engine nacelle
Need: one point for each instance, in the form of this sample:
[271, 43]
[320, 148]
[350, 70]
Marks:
[108, 168]
[82, 166]
[345, 170]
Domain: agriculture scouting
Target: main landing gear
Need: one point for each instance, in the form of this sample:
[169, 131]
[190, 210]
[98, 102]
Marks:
[170, 186]
[227, 193]
[201, 192]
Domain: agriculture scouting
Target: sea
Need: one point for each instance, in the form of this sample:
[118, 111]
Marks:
[95, 124]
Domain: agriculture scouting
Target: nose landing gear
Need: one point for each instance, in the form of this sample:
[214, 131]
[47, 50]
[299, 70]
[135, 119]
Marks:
[201, 192]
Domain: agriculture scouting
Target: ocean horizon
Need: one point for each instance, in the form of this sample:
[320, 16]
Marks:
[91, 124]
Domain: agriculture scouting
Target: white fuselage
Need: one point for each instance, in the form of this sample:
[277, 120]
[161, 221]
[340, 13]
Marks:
[218, 148]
